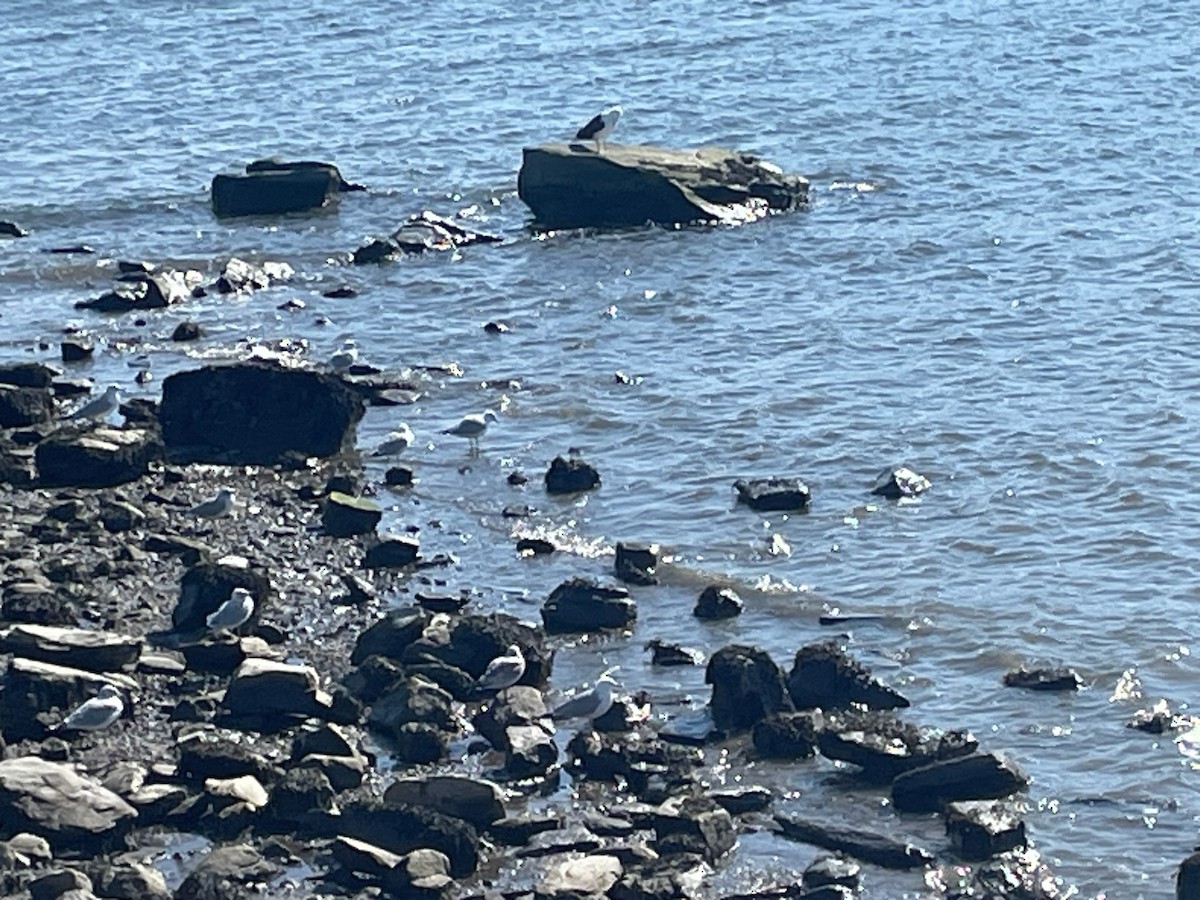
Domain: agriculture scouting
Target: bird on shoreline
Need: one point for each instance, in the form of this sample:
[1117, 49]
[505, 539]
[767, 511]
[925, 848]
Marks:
[396, 441]
[600, 126]
[215, 507]
[233, 613]
[100, 407]
[344, 358]
[472, 427]
[97, 713]
[590, 704]
[502, 672]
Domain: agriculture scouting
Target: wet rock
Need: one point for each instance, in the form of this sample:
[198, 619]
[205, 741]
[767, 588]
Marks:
[239, 276]
[226, 873]
[518, 723]
[865, 845]
[635, 563]
[1016, 875]
[264, 690]
[738, 801]
[1187, 878]
[392, 553]
[302, 795]
[788, 735]
[1058, 679]
[747, 687]
[476, 800]
[638, 762]
[580, 878]
[186, 331]
[205, 754]
[716, 602]
[141, 291]
[883, 746]
[569, 476]
[398, 476]
[475, 640]
[129, 881]
[413, 699]
[402, 829]
[274, 187]
[979, 829]
[27, 374]
[977, 776]
[902, 482]
[101, 457]
[823, 675]
[66, 883]
[96, 651]
[831, 871]
[344, 773]
[1157, 720]
[390, 636]
[580, 604]
[24, 406]
[773, 494]
[256, 414]
[35, 602]
[76, 351]
[519, 829]
[12, 229]
[696, 825]
[421, 232]
[570, 186]
[664, 654]
[625, 714]
[207, 585]
[117, 516]
[344, 515]
[535, 546]
[52, 800]
[419, 742]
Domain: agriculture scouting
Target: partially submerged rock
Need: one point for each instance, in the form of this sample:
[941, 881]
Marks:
[271, 187]
[583, 605]
[747, 687]
[824, 675]
[976, 776]
[571, 186]
[868, 846]
[422, 231]
[773, 494]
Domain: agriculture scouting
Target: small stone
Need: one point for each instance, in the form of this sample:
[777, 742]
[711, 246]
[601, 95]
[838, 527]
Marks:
[186, 331]
[716, 602]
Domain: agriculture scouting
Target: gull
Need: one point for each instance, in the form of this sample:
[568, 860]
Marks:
[600, 126]
[396, 441]
[234, 612]
[472, 427]
[590, 704]
[345, 357]
[95, 714]
[99, 407]
[502, 672]
[215, 507]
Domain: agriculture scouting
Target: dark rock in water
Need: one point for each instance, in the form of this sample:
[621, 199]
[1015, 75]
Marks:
[865, 845]
[376, 251]
[141, 291]
[980, 829]
[518, 830]
[419, 743]
[1187, 879]
[29, 375]
[535, 546]
[392, 553]
[664, 654]
[568, 476]
[901, 482]
[1157, 720]
[583, 605]
[738, 801]
[344, 515]
[96, 651]
[638, 763]
[254, 414]
[187, 331]
[390, 636]
[1059, 679]
[238, 276]
[475, 800]
[570, 186]
[206, 585]
[716, 602]
[12, 229]
[977, 776]
[421, 232]
[398, 476]
[635, 563]
[773, 494]
[476, 640]
[203, 755]
[76, 351]
[102, 457]
[129, 881]
[697, 825]
[787, 735]
[402, 829]
[342, 292]
[1015, 875]
[50, 799]
[747, 687]
[271, 187]
[72, 250]
[823, 675]
[23, 406]
[883, 746]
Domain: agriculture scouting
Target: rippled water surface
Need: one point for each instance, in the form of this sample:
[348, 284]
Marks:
[994, 284]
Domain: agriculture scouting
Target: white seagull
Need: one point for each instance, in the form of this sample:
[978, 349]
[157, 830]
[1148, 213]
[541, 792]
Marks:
[472, 427]
[345, 357]
[95, 714]
[100, 407]
[590, 704]
[216, 507]
[600, 127]
[234, 612]
[502, 672]
[396, 441]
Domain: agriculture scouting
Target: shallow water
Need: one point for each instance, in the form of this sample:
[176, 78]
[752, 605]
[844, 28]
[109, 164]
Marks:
[992, 285]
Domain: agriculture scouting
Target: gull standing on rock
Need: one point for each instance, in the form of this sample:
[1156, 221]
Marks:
[344, 358]
[95, 714]
[100, 407]
[472, 427]
[590, 704]
[396, 441]
[600, 127]
[233, 613]
[502, 672]
[216, 507]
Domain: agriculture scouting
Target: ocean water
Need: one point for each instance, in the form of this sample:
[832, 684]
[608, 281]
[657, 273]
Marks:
[994, 284]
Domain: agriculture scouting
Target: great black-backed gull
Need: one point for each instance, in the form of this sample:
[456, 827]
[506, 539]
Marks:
[600, 127]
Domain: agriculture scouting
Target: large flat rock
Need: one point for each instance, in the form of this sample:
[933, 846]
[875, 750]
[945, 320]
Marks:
[52, 800]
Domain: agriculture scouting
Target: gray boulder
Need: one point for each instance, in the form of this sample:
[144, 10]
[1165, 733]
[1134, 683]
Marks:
[206, 585]
[344, 515]
[272, 187]
[476, 800]
[747, 687]
[868, 846]
[421, 232]
[100, 457]
[883, 746]
[263, 689]
[390, 636]
[978, 776]
[392, 553]
[31, 687]
[824, 675]
[697, 825]
[569, 476]
[68, 809]
[582, 877]
[773, 494]
[716, 602]
[579, 604]
[979, 829]
[571, 186]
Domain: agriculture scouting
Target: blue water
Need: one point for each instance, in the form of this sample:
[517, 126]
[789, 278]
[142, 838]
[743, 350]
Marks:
[994, 284]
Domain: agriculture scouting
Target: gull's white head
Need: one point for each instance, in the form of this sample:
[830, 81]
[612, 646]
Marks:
[109, 691]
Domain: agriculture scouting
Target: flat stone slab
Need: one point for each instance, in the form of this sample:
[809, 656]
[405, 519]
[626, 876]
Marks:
[96, 651]
[53, 800]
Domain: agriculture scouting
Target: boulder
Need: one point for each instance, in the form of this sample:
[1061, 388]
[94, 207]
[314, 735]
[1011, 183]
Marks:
[823, 675]
[773, 494]
[897, 483]
[303, 794]
[12, 229]
[272, 187]
[402, 829]
[413, 699]
[421, 232]
[580, 878]
[1187, 878]
[96, 651]
[1056, 679]
[390, 636]
[262, 689]
[1015, 875]
[747, 687]
[571, 186]
[518, 723]
[419, 743]
[256, 414]
[883, 746]
[476, 800]
[697, 825]
[787, 735]
[831, 871]
[569, 476]
[635, 563]
[979, 829]
[70, 810]
[24, 406]
[392, 553]
[344, 515]
[475, 640]
[101, 457]
[738, 801]
[36, 602]
[204, 754]
[130, 881]
[344, 773]
[580, 604]
[68, 884]
[141, 291]
[868, 846]
[27, 374]
[716, 602]
[238, 276]
[638, 763]
[225, 873]
[977, 776]
[206, 585]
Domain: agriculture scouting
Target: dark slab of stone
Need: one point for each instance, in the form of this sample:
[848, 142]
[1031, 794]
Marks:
[636, 563]
[271, 187]
[96, 651]
[206, 585]
[883, 746]
[787, 735]
[1187, 878]
[100, 457]
[29, 374]
[868, 846]
[51, 799]
[980, 829]
[344, 515]
[579, 605]
[12, 229]
[716, 603]
[977, 776]
[824, 675]
[392, 553]
[390, 636]
[747, 687]
[696, 825]
[1056, 679]
[402, 829]
[21, 407]
[773, 494]
[422, 232]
